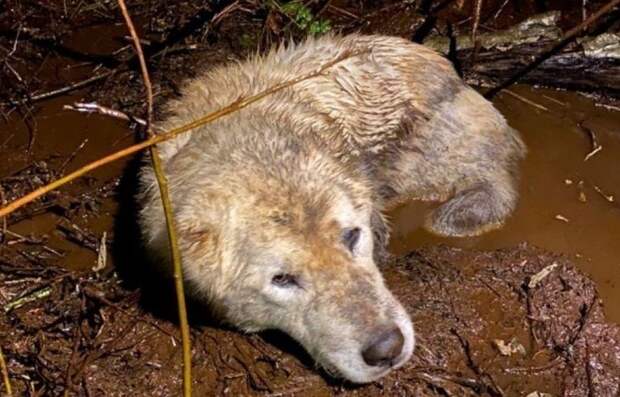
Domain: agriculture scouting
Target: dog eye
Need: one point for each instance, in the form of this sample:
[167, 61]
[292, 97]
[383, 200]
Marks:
[284, 280]
[350, 237]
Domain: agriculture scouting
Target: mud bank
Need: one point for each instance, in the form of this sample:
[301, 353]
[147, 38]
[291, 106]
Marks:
[497, 323]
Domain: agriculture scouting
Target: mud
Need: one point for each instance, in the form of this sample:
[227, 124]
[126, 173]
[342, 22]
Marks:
[66, 328]
[90, 335]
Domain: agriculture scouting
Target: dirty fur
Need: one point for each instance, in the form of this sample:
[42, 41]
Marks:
[271, 189]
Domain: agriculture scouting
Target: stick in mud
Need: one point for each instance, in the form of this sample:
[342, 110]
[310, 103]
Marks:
[72, 156]
[94, 107]
[167, 206]
[609, 197]
[175, 36]
[474, 29]
[596, 146]
[31, 297]
[525, 100]
[5, 375]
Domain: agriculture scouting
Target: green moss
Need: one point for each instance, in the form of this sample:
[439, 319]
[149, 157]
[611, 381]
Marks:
[303, 17]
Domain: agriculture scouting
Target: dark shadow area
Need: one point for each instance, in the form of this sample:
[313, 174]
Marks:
[286, 344]
[157, 293]
[128, 250]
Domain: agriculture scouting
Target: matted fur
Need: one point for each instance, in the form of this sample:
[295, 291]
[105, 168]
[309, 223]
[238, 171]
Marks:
[269, 189]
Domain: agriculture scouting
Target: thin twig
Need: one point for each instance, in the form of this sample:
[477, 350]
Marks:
[552, 99]
[525, 100]
[226, 10]
[23, 239]
[5, 375]
[476, 23]
[501, 8]
[167, 204]
[74, 352]
[592, 153]
[460, 380]
[596, 146]
[69, 159]
[35, 295]
[485, 378]
[14, 48]
[609, 197]
[94, 107]
[65, 89]
[566, 38]
[231, 108]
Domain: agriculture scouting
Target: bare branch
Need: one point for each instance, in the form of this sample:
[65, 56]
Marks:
[5, 375]
[167, 204]
[94, 107]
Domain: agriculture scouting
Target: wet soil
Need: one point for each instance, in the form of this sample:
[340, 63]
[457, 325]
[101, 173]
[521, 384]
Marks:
[488, 324]
[94, 333]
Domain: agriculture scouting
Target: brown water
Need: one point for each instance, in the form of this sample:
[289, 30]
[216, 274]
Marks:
[65, 137]
[550, 189]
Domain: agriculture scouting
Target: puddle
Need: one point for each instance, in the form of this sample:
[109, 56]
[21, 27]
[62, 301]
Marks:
[557, 146]
[65, 140]
[102, 39]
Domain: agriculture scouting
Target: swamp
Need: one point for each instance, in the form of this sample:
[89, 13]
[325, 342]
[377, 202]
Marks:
[530, 309]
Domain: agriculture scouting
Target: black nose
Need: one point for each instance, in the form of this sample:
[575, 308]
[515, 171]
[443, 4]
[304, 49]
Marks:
[384, 348]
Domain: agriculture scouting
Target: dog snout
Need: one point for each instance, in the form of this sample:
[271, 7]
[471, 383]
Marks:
[384, 347]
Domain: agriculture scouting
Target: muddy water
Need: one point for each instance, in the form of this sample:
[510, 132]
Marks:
[556, 210]
[65, 140]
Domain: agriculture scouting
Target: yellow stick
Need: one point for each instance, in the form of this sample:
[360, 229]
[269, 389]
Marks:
[167, 204]
[5, 375]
